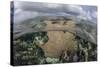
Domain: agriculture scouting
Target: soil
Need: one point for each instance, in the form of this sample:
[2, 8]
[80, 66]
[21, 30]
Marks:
[59, 41]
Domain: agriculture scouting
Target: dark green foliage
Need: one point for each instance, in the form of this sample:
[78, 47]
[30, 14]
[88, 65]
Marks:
[26, 51]
[86, 51]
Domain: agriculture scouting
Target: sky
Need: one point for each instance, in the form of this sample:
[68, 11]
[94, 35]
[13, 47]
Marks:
[27, 10]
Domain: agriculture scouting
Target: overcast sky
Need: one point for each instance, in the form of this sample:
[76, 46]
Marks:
[27, 10]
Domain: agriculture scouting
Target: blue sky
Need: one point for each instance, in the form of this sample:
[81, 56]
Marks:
[27, 10]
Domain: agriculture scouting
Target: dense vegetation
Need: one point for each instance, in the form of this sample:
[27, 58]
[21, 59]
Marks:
[27, 50]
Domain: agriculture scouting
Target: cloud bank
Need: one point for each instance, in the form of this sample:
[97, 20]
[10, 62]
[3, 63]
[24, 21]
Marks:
[27, 10]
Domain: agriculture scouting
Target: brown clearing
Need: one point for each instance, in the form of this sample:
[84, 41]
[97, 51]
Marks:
[59, 41]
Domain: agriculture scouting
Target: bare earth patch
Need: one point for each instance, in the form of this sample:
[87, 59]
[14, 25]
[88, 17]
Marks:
[59, 41]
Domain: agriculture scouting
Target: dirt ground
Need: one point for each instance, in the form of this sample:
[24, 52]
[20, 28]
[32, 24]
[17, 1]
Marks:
[59, 41]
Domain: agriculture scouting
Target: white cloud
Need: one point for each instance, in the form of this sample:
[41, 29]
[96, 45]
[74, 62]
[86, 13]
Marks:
[28, 10]
[17, 4]
[75, 9]
[88, 15]
[50, 5]
[24, 15]
[94, 14]
[16, 11]
[82, 17]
